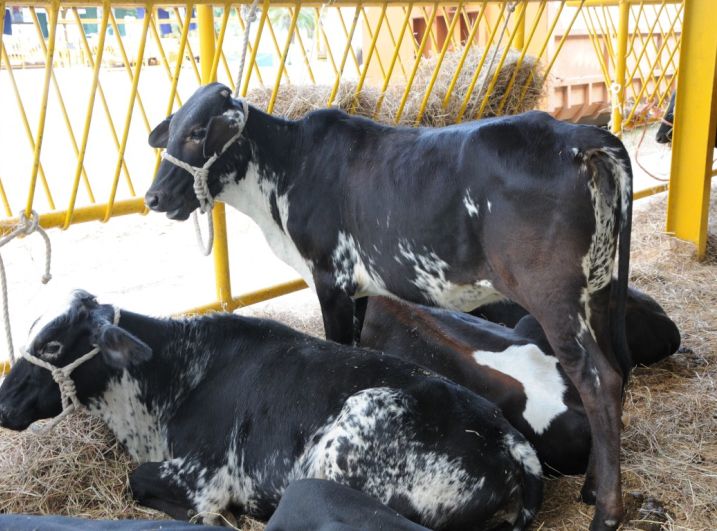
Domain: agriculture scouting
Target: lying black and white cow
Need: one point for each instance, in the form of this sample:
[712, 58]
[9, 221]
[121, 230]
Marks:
[224, 411]
[523, 207]
[651, 334]
[512, 367]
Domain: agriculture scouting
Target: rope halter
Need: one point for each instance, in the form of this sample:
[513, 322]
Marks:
[61, 375]
[201, 181]
[201, 174]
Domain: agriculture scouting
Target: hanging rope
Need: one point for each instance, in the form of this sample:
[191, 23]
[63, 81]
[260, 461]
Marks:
[510, 8]
[249, 17]
[201, 187]
[24, 227]
[62, 376]
[644, 114]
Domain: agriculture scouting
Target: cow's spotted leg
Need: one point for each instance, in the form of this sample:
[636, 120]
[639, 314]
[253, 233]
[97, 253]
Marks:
[152, 487]
[337, 309]
[599, 383]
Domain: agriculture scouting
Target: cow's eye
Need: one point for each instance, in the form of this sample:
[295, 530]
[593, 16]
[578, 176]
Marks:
[53, 348]
[197, 134]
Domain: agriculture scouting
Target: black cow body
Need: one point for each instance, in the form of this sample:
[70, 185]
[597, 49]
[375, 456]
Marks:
[227, 411]
[514, 368]
[320, 505]
[651, 334]
[523, 207]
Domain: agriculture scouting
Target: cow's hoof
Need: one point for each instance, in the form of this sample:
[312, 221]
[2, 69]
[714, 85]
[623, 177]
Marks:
[604, 524]
[588, 494]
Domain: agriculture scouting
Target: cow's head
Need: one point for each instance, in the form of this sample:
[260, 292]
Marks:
[29, 393]
[664, 133]
[198, 130]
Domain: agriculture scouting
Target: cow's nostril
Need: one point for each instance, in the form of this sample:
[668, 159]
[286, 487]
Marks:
[151, 199]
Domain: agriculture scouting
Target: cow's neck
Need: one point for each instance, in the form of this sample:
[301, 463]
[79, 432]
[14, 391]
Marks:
[272, 142]
[138, 403]
[261, 188]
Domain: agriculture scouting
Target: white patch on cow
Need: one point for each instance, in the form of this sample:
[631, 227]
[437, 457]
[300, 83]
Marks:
[351, 273]
[524, 453]
[430, 277]
[470, 205]
[597, 263]
[371, 438]
[252, 196]
[490, 205]
[126, 414]
[543, 384]
[57, 307]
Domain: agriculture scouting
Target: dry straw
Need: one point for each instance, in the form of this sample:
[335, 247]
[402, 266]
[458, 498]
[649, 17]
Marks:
[294, 101]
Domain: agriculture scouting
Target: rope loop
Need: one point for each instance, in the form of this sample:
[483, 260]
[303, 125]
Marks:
[24, 227]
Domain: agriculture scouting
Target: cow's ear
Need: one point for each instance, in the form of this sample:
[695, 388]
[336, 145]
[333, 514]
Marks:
[159, 136]
[120, 348]
[220, 130]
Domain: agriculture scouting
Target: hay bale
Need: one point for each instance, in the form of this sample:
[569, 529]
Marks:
[295, 101]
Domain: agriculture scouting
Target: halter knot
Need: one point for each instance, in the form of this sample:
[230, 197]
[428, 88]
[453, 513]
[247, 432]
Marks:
[61, 376]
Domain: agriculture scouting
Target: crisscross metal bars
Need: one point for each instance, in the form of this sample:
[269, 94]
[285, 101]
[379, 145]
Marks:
[365, 46]
[637, 44]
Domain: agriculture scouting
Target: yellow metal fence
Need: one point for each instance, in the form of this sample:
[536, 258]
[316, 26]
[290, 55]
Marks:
[110, 71]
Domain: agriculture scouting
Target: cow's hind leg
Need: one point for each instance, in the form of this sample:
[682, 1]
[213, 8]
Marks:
[599, 383]
[152, 487]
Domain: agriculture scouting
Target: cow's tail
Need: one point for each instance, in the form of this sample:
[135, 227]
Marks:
[621, 169]
[528, 463]
[614, 163]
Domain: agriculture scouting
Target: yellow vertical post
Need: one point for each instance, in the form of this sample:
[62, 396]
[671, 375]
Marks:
[618, 85]
[519, 38]
[205, 24]
[49, 57]
[694, 126]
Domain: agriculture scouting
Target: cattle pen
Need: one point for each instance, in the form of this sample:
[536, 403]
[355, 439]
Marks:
[82, 83]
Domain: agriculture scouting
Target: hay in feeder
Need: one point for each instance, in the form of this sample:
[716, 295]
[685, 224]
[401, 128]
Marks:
[295, 101]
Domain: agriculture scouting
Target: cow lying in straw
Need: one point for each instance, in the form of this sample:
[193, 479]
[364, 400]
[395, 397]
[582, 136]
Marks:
[512, 367]
[224, 412]
[523, 207]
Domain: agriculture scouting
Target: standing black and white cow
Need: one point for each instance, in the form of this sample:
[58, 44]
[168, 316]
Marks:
[523, 207]
[224, 412]
[512, 366]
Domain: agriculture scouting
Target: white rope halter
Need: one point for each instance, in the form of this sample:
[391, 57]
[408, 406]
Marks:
[24, 227]
[201, 175]
[201, 181]
[61, 375]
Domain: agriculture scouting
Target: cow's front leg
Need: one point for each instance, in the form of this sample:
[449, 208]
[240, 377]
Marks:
[153, 485]
[337, 309]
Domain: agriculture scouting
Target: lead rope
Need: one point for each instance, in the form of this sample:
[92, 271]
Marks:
[645, 115]
[62, 376]
[24, 227]
[201, 187]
